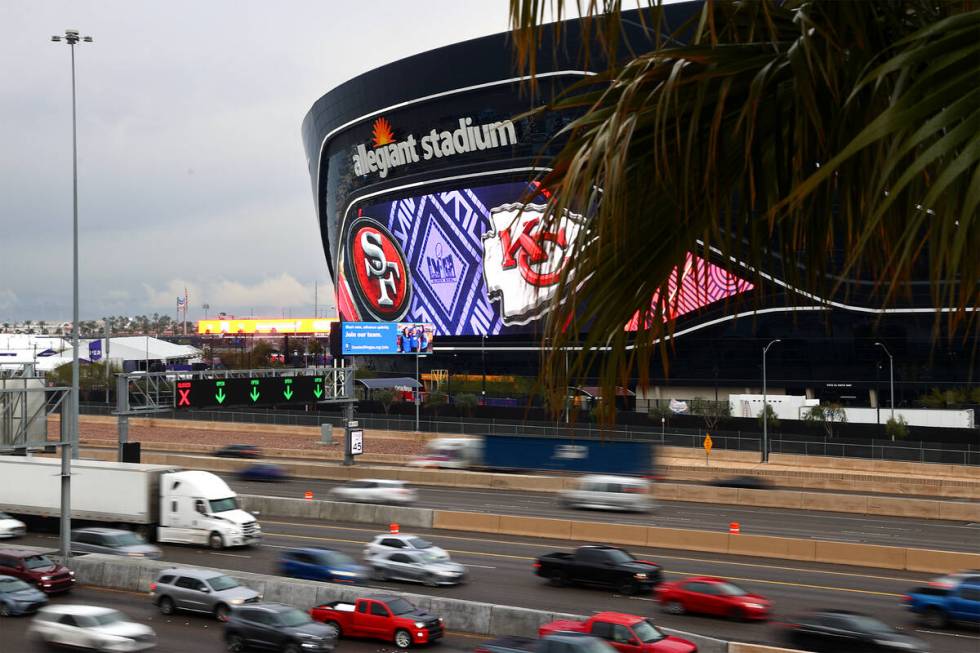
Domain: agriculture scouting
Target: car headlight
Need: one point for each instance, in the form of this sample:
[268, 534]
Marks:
[640, 576]
[236, 601]
[448, 573]
[755, 606]
[419, 624]
[345, 574]
[45, 577]
[71, 573]
[135, 554]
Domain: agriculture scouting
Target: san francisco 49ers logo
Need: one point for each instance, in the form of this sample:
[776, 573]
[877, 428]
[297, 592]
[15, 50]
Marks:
[523, 261]
[377, 268]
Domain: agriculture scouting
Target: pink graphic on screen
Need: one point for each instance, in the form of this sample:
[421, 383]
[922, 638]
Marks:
[700, 283]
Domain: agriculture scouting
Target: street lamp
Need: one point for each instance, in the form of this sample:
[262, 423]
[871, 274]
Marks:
[72, 38]
[765, 405]
[891, 378]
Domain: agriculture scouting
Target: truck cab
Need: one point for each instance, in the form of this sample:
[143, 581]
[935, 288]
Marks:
[199, 508]
[627, 633]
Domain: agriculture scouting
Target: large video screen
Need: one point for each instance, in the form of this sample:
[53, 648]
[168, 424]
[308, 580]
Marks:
[471, 262]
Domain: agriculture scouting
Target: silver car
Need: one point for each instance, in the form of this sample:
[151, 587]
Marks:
[112, 541]
[90, 627]
[418, 567]
[599, 492]
[200, 590]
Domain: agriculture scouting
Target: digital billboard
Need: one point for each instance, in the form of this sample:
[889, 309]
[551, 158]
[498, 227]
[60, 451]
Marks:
[386, 338]
[475, 261]
[267, 326]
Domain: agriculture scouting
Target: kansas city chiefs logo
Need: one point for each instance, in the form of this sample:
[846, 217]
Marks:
[523, 261]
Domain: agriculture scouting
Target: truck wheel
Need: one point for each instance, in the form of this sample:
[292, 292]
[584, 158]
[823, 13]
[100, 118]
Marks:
[4, 610]
[166, 605]
[235, 644]
[215, 541]
[334, 625]
[403, 638]
[221, 612]
[432, 580]
[935, 618]
[559, 579]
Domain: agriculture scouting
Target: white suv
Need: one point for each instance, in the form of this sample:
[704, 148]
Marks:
[375, 491]
[90, 627]
[403, 542]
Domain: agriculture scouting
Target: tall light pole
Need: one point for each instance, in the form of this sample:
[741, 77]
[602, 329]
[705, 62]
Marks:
[765, 405]
[72, 38]
[891, 378]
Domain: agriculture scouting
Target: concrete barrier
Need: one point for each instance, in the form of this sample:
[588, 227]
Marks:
[687, 540]
[959, 510]
[861, 555]
[623, 534]
[559, 529]
[940, 561]
[764, 546]
[466, 521]
[336, 511]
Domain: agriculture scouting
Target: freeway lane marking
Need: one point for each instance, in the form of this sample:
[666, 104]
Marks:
[938, 632]
[517, 557]
[552, 547]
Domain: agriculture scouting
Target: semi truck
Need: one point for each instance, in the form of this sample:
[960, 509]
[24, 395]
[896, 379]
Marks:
[160, 502]
[529, 453]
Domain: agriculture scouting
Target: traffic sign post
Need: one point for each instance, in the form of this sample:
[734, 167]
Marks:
[707, 447]
[356, 440]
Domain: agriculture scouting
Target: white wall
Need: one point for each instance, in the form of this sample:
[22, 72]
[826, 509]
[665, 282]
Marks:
[783, 406]
[942, 418]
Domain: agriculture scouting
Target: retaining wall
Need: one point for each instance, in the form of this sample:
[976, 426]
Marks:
[783, 548]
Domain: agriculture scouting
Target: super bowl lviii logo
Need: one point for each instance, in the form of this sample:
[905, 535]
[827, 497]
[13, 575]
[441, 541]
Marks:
[377, 271]
[524, 257]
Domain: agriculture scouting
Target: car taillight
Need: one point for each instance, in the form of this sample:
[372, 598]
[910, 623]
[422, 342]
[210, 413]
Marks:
[906, 599]
[536, 565]
[153, 587]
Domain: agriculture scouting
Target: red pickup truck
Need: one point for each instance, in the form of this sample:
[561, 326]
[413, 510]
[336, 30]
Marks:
[382, 616]
[627, 633]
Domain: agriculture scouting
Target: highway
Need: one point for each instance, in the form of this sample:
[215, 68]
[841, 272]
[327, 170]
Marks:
[501, 573]
[180, 633]
[840, 527]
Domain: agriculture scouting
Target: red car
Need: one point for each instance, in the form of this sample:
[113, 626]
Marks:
[627, 633]
[382, 616]
[714, 596]
[36, 569]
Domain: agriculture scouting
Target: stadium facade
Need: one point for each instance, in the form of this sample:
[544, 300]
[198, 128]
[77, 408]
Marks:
[417, 168]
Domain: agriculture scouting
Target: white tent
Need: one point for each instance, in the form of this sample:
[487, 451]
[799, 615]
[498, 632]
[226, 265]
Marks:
[138, 348]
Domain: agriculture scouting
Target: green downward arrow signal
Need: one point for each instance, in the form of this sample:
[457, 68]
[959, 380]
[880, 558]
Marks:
[288, 392]
[254, 394]
[220, 395]
[317, 392]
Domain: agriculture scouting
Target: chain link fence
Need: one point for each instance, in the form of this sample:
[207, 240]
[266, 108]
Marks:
[785, 443]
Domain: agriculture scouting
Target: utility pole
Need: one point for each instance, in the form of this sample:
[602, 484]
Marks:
[72, 38]
[891, 379]
[765, 405]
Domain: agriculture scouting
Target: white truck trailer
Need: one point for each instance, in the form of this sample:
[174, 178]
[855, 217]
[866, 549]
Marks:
[188, 507]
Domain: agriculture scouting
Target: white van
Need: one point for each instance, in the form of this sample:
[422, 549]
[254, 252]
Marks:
[609, 493]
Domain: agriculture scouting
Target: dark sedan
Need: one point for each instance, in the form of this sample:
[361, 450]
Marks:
[838, 631]
[238, 451]
[263, 472]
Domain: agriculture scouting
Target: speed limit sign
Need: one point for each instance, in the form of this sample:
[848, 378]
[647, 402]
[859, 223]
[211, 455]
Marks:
[356, 442]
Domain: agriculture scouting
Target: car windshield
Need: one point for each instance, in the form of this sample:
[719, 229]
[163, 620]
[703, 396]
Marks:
[224, 505]
[619, 556]
[108, 618]
[293, 618]
[336, 559]
[731, 589]
[400, 606]
[419, 543]
[647, 632]
[4, 515]
[219, 583]
[125, 539]
[36, 562]
[868, 624]
[12, 585]
[425, 556]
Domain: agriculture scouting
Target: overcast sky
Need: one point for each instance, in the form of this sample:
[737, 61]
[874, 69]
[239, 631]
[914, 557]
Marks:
[191, 167]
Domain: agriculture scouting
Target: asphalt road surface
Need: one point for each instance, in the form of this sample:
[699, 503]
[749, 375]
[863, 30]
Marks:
[180, 633]
[840, 527]
[501, 573]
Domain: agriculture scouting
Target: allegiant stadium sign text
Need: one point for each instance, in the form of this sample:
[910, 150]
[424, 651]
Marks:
[387, 153]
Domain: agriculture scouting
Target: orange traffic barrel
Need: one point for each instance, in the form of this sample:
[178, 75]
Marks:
[393, 528]
[308, 496]
[734, 528]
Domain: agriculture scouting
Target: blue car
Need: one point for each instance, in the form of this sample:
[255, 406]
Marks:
[315, 563]
[17, 597]
[263, 472]
[938, 607]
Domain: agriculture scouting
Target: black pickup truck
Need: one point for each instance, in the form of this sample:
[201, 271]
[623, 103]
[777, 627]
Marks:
[601, 566]
[557, 643]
